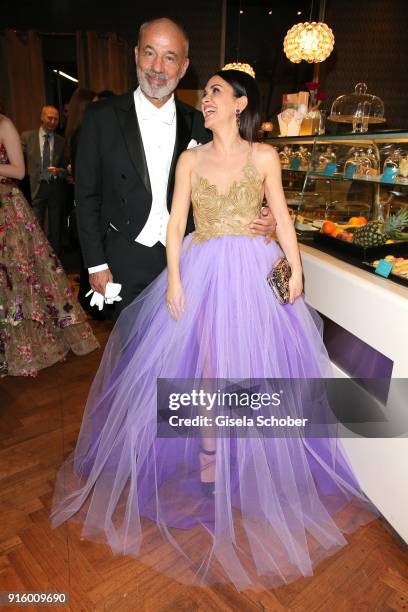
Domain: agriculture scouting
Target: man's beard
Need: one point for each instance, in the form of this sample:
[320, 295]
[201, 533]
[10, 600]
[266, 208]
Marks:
[154, 91]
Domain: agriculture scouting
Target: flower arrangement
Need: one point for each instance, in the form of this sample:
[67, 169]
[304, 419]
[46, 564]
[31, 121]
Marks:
[315, 95]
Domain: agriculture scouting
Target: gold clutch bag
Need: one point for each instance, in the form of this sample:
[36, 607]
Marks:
[278, 280]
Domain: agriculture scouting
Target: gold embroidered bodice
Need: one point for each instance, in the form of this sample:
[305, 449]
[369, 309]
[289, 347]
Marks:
[217, 214]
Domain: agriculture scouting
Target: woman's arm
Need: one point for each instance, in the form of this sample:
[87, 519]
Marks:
[175, 231]
[11, 140]
[285, 230]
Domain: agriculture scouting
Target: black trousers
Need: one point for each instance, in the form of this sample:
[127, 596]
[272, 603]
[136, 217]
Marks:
[51, 196]
[133, 265]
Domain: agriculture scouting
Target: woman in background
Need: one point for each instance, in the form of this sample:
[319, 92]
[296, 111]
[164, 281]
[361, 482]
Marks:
[40, 320]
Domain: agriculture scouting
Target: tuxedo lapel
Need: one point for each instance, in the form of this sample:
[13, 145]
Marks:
[35, 148]
[183, 137]
[183, 134]
[126, 113]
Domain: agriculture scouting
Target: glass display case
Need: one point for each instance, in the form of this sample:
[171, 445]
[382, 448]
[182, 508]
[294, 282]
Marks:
[348, 194]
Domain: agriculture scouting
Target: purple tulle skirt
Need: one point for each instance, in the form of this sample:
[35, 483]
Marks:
[280, 504]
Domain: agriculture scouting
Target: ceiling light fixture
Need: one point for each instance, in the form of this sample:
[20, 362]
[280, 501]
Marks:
[242, 66]
[310, 41]
[67, 76]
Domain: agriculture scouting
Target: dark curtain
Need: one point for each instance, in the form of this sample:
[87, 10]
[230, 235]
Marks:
[22, 77]
[103, 61]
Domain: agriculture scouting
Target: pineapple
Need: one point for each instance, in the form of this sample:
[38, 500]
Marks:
[376, 233]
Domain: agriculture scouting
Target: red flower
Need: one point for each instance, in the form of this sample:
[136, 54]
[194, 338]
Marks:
[312, 86]
[321, 96]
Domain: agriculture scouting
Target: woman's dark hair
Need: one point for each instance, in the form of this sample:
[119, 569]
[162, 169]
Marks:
[245, 85]
[76, 109]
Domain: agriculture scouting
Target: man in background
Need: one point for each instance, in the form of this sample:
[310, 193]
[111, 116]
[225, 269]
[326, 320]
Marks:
[44, 153]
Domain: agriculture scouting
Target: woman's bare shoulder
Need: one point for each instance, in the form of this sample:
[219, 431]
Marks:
[265, 155]
[188, 158]
[8, 131]
[265, 151]
[5, 124]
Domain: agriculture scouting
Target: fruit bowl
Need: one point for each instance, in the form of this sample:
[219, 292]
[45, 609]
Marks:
[367, 239]
[356, 251]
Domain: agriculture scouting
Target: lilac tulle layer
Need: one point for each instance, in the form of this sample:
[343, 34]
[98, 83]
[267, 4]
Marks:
[280, 504]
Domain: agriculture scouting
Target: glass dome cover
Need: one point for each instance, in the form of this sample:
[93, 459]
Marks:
[358, 108]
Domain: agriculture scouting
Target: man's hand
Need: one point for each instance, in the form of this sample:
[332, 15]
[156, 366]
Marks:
[98, 280]
[54, 170]
[265, 225]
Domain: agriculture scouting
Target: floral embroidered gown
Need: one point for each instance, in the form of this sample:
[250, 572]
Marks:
[40, 319]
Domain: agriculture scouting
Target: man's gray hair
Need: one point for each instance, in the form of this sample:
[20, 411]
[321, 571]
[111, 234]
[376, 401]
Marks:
[174, 23]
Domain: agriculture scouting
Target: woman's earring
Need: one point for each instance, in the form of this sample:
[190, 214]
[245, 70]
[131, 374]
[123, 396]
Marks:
[238, 117]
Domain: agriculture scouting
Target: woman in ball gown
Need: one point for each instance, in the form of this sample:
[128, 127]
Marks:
[40, 318]
[199, 505]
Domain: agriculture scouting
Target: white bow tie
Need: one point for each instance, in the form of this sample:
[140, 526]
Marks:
[165, 114]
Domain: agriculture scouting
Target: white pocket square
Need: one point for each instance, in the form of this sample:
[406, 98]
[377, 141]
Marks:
[193, 143]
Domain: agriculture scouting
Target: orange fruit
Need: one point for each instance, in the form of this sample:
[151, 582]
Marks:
[328, 227]
[362, 220]
[354, 221]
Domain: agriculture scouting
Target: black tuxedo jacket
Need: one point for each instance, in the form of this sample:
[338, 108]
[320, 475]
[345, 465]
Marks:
[112, 182]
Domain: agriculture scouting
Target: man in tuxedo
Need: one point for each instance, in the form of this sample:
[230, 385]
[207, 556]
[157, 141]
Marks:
[44, 153]
[128, 150]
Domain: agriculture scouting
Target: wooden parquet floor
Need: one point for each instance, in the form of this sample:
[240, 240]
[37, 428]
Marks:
[40, 419]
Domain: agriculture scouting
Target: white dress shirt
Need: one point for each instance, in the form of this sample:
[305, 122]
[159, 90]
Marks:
[158, 131]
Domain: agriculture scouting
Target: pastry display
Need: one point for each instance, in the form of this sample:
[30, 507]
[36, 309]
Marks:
[349, 196]
[403, 170]
[400, 267]
[306, 224]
